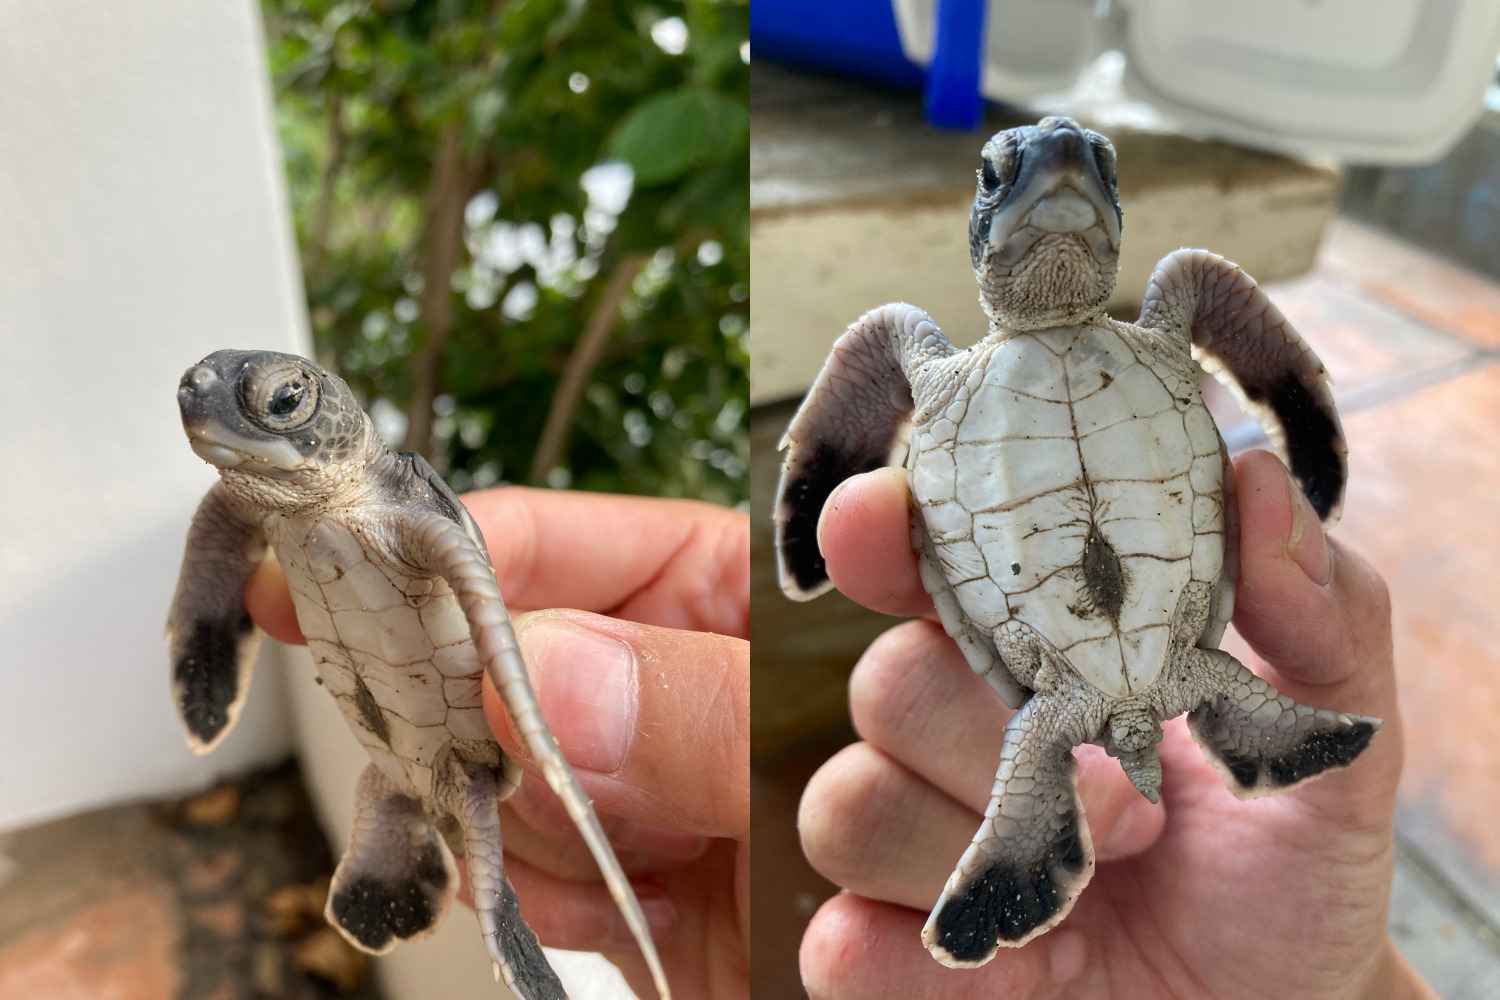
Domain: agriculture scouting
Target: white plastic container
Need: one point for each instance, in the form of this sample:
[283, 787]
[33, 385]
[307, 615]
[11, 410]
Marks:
[1360, 81]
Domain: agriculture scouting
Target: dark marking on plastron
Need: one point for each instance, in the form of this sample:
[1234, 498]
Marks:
[1006, 902]
[1311, 437]
[518, 945]
[208, 673]
[1104, 574]
[369, 709]
[813, 480]
[375, 910]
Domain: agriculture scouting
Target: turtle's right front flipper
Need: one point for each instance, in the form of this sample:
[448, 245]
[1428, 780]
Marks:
[849, 422]
[214, 642]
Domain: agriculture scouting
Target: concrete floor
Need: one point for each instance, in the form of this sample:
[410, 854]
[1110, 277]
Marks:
[1413, 344]
[218, 897]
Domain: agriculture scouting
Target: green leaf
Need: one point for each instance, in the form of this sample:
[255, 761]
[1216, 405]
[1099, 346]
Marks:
[666, 135]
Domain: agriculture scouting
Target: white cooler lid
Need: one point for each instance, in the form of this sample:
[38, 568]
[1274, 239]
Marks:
[1365, 81]
[1362, 81]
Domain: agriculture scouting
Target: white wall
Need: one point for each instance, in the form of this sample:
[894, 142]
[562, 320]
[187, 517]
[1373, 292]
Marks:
[143, 224]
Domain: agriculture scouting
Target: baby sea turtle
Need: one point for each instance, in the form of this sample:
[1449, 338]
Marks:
[1074, 513]
[396, 594]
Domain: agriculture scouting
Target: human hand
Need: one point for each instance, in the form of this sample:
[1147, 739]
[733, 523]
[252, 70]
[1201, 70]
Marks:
[649, 704]
[1203, 895]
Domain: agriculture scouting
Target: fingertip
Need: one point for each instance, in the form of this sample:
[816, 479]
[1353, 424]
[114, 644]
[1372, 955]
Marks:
[268, 599]
[1122, 822]
[864, 532]
[829, 924]
[1135, 830]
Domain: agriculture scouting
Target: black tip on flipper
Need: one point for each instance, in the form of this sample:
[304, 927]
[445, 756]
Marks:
[1321, 750]
[1313, 441]
[373, 911]
[808, 486]
[1007, 902]
[207, 673]
[533, 974]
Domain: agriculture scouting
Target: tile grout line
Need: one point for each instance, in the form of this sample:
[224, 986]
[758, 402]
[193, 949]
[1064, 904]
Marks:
[1452, 898]
[1248, 434]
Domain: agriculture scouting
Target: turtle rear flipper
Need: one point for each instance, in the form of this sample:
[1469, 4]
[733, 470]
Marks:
[213, 640]
[1032, 855]
[397, 878]
[1261, 741]
[512, 945]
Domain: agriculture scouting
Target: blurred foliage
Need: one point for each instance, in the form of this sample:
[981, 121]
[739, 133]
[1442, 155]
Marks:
[549, 99]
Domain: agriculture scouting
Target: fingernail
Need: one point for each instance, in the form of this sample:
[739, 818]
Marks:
[1307, 546]
[1066, 957]
[661, 917]
[828, 505]
[586, 685]
[657, 841]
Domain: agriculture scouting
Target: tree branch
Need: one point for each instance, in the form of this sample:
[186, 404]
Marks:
[447, 194]
[317, 240]
[581, 362]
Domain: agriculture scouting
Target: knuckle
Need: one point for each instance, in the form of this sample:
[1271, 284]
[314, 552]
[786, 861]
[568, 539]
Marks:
[831, 815]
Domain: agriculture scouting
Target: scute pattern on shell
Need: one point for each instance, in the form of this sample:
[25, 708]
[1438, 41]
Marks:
[1074, 481]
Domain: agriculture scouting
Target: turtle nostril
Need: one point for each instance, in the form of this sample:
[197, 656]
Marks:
[202, 375]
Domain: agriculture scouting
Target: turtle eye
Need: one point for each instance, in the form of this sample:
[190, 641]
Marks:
[988, 177]
[1104, 158]
[282, 398]
[286, 399]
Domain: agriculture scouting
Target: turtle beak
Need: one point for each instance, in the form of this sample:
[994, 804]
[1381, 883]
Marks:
[1060, 190]
[219, 433]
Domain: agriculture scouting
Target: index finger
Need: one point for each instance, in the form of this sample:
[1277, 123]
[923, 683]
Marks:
[865, 536]
[678, 564]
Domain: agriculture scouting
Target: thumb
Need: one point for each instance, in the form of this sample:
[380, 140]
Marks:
[655, 721]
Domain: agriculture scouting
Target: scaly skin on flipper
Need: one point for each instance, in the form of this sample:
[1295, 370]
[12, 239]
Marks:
[214, 642]
[1073, 513]
[396, 595]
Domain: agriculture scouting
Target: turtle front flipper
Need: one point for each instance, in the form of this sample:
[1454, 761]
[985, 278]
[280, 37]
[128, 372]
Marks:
[1261, 741]
[1032, 855]
[213, 640]
[513, 946]
[1243, 340]
[397, 878]
[454, 550]
[850, 421]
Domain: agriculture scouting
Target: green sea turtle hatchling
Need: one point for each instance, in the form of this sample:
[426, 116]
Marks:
[395, 592]
[1074, 513]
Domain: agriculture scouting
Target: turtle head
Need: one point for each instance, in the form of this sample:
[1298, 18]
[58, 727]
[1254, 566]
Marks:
[1045, 231]
[283, 432]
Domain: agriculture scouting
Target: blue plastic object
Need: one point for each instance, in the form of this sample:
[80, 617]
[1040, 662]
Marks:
[951, 98]
[859, 38]
[849, 37]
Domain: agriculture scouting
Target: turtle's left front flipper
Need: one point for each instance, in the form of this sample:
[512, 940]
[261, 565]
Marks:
[214, 642]
[454, 549]
[1243, 340]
